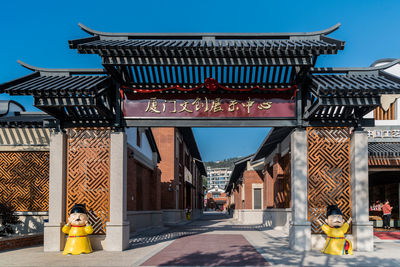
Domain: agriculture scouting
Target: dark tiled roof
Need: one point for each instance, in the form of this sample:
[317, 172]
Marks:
[353, 85]
[25, 119]
[239, 167]
[190, 141]
[384, 149]
[55, 85]
[274, 137]
[7, 106]
[209, 48]
[57, 82]
[200, 45]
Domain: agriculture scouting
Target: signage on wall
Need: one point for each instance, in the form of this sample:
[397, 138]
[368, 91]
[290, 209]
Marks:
[384, 133]
[207, 106]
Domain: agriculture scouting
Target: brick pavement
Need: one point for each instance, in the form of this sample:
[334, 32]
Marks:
[208, 250]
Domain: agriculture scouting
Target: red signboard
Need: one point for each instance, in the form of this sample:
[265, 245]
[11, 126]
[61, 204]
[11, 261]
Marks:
[184, 105]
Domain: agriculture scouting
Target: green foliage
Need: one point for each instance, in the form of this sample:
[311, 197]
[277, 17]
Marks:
[7, 219]
[226, 163]
[205, 182]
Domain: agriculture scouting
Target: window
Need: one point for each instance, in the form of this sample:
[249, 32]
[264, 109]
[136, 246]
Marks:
[257, 198]
[138, 137]
[215, 194]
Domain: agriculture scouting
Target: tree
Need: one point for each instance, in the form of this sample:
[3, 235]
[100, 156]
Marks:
[7, 219]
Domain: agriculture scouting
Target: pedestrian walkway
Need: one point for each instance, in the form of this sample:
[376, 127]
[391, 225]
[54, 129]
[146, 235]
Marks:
[388, 235]
[213, 240]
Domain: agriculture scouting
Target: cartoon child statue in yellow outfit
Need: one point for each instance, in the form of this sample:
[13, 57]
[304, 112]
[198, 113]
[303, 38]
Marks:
[78, 228]
[335, 228]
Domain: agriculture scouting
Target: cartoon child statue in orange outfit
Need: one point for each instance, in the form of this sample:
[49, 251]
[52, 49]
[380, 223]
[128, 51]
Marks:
[78, 228]
[335, 227]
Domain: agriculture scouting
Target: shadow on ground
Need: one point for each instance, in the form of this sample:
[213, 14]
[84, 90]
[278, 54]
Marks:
[199, 226]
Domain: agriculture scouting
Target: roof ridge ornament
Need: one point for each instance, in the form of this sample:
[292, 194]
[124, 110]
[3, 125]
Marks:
[212, 35]
[387, 100]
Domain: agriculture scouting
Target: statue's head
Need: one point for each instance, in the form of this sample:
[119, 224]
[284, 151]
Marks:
[334, 216]
[78, 215]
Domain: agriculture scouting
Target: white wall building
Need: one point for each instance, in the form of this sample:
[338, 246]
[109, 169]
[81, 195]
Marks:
[218, 177]
[384, 151]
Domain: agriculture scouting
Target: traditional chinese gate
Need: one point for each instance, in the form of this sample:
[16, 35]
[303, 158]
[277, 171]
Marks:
[202, 80]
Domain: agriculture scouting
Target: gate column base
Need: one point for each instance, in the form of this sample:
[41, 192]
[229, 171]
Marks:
[363, 235]
[300, 237]
[117, 238]
[54, 238]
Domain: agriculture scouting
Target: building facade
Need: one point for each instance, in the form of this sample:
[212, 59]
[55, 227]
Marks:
[143, 180]
[324, 159]
[384, 153]
[24, 169]
[218, 177]
[182, 173]
[208, 80]
[216, 199]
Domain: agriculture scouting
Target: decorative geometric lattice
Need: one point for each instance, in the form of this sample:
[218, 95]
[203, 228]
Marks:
[24, 180]
[328, 172]
[88, 173]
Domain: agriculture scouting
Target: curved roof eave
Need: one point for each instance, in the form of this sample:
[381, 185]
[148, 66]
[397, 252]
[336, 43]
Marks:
[217, 35]
[362, 69]
[71, 71]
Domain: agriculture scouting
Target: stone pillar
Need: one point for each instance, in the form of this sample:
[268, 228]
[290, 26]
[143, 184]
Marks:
[300, 227]
[362, 227]
[117, 229]
[54, 239]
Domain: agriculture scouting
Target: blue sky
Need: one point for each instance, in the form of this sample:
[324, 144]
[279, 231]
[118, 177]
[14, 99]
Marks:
[37, 32]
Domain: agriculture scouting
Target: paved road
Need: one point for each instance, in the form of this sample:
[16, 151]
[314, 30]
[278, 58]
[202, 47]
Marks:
[214, 240]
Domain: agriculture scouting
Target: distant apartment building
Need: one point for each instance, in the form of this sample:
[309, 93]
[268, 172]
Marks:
[218, 177]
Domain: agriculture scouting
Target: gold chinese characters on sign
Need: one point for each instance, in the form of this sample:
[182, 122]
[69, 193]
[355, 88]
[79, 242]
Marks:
[203, 104]
[207, 106]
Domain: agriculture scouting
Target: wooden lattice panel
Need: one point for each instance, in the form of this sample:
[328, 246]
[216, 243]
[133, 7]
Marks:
[24, 180]
[328, 172]
[381, 114]
[88, 174]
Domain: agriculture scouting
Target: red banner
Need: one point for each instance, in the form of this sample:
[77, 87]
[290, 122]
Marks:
[188, 105]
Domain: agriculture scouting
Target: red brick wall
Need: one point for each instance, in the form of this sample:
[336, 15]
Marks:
[239, 203]
[143, 186]
[277, 183]
[284, 183]
[165, 140]
[222, 195]
[268, 187]
[131, 181]
[237, 199]
[249, 178]
[172, 167]
[19, 242]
